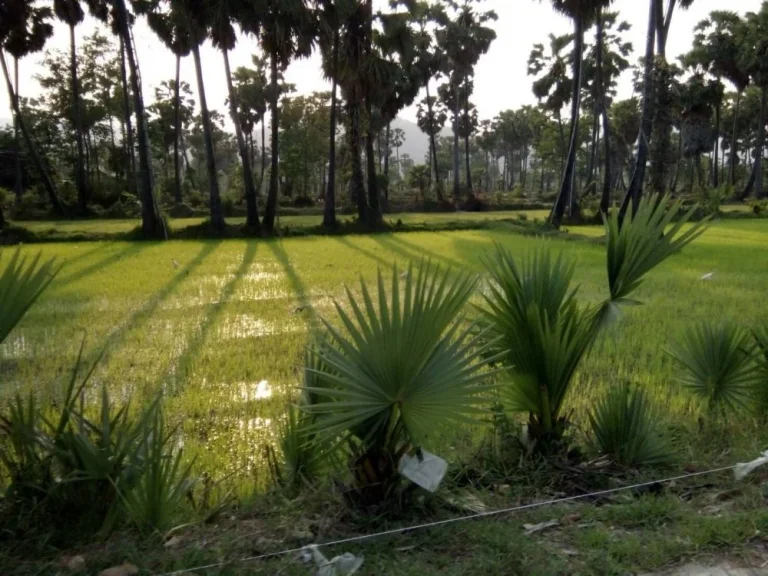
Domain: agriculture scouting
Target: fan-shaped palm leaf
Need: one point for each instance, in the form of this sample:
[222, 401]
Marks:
[644, 241]
[21, 283]
[717, 365]
[403, 364]
[624, 427]
[539, 328]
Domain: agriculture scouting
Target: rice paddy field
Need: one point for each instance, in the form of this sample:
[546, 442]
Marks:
[220, 326]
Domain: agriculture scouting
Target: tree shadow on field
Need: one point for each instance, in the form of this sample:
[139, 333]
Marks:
[146, 311]
[69, 261]
[367, 253]
[297, 285]
[128, 250]
[412, 252]
[195, 343]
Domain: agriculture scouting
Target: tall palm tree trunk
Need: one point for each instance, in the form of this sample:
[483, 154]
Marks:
[127, 115]
[329, 206]
[271, 209]
[177, 132]
[716, 164]
[48, 183]
[432, 140]
[646, 120]
[605, 197]
[760, 144]
[18, 186]
[81, 181]
[467, 152]
[734, 153]
[456, 163]
[374, 210]
[263, 154]
[357, 180]
[252, 212]
[217, 216]
[150, 219]
[386, 166]
[566, 195]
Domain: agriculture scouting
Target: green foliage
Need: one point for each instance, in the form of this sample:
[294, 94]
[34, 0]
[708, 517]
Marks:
[717, 365]
[535, 317]
[303, 454]
[21, 283]
[625, 427]
[403, 366]
[652, 235]
[157, 498]
[710, 199]
[66, 465]
[761, 357]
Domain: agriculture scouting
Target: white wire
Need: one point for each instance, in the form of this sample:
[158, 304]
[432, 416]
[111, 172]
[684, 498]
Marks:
[452, 520]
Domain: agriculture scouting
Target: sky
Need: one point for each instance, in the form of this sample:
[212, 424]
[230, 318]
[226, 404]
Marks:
[501, 81]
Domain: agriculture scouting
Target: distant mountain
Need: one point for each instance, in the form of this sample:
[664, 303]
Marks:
[416, 142]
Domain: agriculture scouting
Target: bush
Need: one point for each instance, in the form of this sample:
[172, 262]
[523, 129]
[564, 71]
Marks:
[758, 207]
[404, 366]
[76, 471]
[542, 331]
[718, 366]
[625, 427]
[473, 204]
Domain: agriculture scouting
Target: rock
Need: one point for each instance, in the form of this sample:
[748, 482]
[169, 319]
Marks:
[173, 542]
[125, 569]
[73, 563]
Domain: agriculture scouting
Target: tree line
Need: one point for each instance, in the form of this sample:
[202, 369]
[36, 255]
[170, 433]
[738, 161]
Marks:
[91, 129]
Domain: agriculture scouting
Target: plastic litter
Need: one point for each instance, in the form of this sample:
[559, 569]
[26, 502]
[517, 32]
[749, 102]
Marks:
[342, 565]
[743, 469]
[423, 469]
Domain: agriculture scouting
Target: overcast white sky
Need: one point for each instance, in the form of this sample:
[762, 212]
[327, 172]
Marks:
[501, 81]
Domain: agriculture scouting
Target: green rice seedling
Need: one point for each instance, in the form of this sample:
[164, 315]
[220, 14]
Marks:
[718, 366]
[21, 283]
[541, 329]
[403, 365]
[625, 427]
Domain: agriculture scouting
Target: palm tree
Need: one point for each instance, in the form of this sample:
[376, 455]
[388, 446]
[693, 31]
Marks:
[352, 60]
[121, 22]
[427, 19]
[189, 20]
[71, 13]
[603, 65]
[224, 38]
[172, 30]
[554, 87]
[755, 61]
[332, 15]
[581, 12]
[24, 29]
[464, 40]
[431, 118]
[654, 94]
[285, 29]
[251, 89]
[718, 47]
